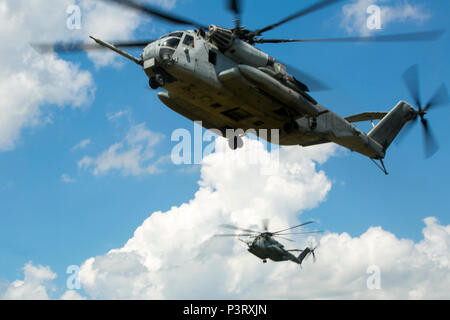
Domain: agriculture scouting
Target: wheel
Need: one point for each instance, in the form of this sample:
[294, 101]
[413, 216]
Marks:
[264, 261]
[160, 80]
[153, 83]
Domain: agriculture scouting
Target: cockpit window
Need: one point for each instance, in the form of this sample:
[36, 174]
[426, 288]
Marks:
[188, 40]
[172, 43]
[176, 34]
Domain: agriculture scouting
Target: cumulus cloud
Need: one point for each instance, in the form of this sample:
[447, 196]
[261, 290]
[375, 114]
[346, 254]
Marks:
[131, 156]
[355, 14]
[174, 254]
[30, 82]
[35, 286]
[72, 295]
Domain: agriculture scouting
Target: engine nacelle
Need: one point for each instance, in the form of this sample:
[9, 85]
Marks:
[238, 50]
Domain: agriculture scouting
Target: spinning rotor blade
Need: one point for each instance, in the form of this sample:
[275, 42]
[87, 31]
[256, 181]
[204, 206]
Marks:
[312, 83]
[275, 235]
[230, 226]
[152, 11]
[430, 142]
[234, 235]
[74, 47]
[315, 7]
[303, 224]
[402, 37]
[306, 232]
[265, 224]
[235, 6]
[440, 98]
[411, 79]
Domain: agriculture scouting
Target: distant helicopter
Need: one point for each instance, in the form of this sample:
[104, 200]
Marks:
[218, 76]
[264, 246]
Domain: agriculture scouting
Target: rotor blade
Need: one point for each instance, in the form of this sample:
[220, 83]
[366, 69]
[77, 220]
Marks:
[303, 224]
[233, 235]
[440, 98]
[74, 47]
[152, 11]
[265, 224]
[306, 232]
[283, 238]
[431, 145]
[411, 79]
[235, 6]
[402, 37]
[312, 83]
[315, 7]
[230, 226]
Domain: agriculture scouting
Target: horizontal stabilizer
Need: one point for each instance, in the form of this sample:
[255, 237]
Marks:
[366, 116]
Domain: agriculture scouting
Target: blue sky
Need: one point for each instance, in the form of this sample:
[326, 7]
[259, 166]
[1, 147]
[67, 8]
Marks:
[55, 223]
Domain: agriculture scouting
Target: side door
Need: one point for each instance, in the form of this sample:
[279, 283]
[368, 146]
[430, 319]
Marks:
[188, 52]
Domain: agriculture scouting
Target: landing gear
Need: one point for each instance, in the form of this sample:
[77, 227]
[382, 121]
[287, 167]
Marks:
[235, 142]
[290, 126]
[156, 81]
[264, 261]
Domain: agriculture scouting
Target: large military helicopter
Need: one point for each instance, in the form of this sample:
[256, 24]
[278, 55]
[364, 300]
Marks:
[218, 76]
[263, 245]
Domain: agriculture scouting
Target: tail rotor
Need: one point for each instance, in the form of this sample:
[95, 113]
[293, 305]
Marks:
[440, 98]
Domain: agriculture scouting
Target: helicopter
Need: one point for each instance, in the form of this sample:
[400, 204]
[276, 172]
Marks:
[218, 76]
[264, 246]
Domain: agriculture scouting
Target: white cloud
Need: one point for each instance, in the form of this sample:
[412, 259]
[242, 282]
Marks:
[35, 286]
[355, 14]
[30, 82]
[131, 156]
[173, 254]
[81, 145]
[72, 295]
[119, 114]
[66, 178]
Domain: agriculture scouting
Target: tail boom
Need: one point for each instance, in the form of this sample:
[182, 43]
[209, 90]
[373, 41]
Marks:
[390, 126]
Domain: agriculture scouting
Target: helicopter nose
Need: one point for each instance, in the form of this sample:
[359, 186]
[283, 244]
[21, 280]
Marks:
[151, 51]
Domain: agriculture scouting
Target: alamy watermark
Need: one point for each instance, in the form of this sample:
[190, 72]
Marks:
[192, 150]
[374, 20]
[73, 281]
[73, 21]
[374, 280]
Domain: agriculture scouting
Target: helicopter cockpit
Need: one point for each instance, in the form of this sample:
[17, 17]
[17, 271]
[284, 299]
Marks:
[169, 43]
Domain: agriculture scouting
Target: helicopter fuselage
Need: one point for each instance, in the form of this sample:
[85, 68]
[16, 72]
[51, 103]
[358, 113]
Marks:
[228, 84]
[265, 247]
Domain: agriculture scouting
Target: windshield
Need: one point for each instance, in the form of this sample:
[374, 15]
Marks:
[177, 34]
[172, 43]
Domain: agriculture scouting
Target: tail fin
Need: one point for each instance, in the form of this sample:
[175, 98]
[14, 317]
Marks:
[389, 127]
